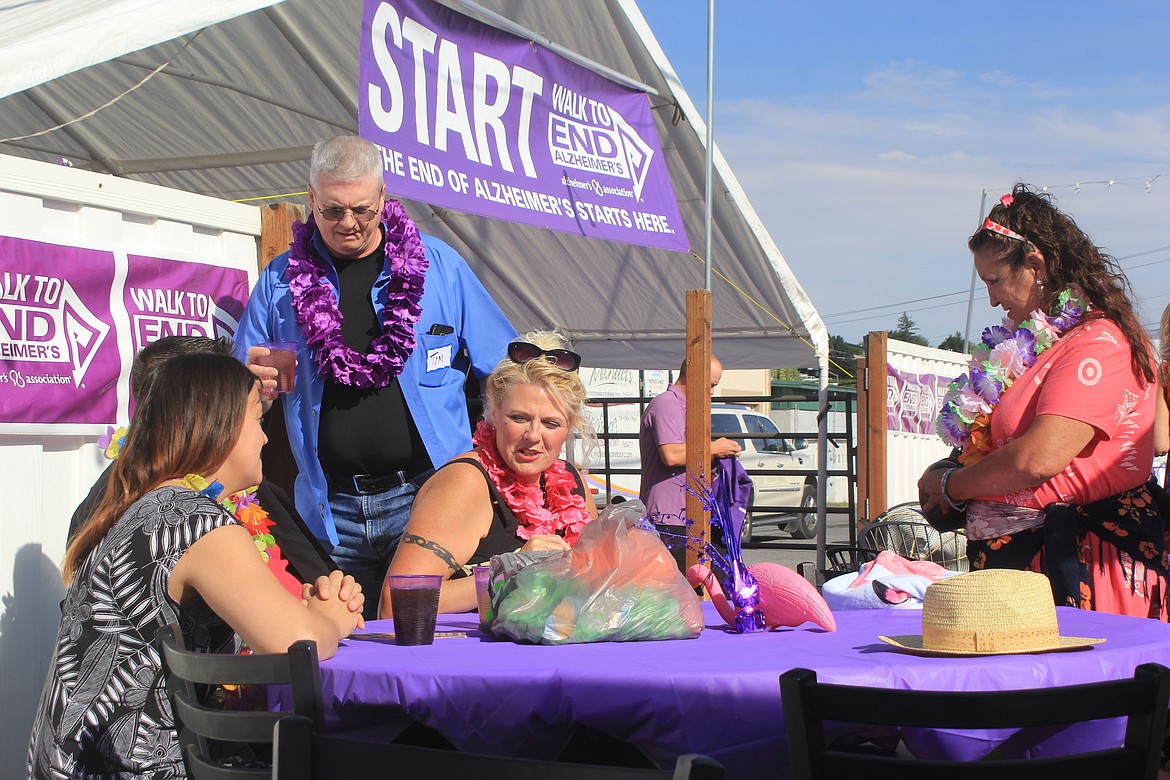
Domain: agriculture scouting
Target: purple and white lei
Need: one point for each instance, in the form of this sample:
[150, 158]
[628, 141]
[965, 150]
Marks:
[1004, 354]
[315, 304]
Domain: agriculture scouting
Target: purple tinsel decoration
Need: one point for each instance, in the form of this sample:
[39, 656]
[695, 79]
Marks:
[739, 585]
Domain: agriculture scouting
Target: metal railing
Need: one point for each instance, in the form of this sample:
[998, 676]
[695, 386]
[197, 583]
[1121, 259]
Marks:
[836, 439]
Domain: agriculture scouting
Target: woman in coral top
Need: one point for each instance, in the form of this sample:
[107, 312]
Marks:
[1162, 418]
[1055, 419]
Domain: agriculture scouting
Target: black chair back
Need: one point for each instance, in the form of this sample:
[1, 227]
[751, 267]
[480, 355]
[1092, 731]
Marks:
[300, 753]
[1142, 699]
[206, 731]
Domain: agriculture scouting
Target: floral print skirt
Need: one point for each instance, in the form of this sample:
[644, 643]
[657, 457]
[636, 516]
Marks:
[1109, 556]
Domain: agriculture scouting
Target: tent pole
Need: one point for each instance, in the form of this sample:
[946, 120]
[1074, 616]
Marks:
[710, 137]
[971, 291]
[822, 454]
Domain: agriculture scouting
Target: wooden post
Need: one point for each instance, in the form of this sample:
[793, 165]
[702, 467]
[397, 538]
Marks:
[698, 410]
[276, 220]
[875, 428]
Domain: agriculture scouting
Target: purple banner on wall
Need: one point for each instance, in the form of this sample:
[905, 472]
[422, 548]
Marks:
[62, 351]
[58, 358]
[913, 400]
[171, 298]
[476, 119]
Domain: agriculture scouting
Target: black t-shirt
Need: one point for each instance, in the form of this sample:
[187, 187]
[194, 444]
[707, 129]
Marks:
[366, 431]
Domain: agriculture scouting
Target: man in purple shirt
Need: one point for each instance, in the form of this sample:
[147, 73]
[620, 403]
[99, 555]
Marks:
[662, 439]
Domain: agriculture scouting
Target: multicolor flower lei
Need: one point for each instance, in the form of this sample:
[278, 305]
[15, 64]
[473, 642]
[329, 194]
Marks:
[1005, 353]
[315, 304]
[252, 516]
[112, 441]
[554, 510]
[243, 505]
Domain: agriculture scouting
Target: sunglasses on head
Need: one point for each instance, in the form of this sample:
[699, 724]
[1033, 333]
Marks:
[564, 359]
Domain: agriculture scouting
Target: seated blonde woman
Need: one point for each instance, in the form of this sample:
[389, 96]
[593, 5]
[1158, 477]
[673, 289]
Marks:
[512, 492]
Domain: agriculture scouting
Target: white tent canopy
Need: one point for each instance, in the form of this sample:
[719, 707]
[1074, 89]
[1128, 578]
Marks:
[245, 93]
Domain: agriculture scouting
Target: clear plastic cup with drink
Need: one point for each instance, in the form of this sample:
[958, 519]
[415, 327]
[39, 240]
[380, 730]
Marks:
[414, 599]
[282, 355]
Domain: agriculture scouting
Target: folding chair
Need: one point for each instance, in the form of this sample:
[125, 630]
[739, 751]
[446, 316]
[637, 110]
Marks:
[217, 742]
[1142, 698]
[299, 753]
[903, 530]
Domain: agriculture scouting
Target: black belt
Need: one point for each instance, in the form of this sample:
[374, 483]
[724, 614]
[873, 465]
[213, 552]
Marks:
[368, 484]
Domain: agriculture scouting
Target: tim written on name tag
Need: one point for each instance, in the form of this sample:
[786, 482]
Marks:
[437, 358]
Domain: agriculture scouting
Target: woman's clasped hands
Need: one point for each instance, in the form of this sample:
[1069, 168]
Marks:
[339, 596]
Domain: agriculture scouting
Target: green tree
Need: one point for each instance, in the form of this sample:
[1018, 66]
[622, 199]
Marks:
[786, 374]
[908, 331]
[843, 361]
[953, 342]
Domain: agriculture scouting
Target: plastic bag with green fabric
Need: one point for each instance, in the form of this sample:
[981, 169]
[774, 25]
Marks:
[618, 584]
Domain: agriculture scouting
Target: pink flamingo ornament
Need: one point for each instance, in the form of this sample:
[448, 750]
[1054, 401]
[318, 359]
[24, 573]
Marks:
[786, 598]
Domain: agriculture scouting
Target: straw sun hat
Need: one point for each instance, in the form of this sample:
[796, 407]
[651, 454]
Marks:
[989, 612]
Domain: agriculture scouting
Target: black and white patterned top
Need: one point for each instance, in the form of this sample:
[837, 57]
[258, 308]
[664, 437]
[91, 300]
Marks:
[104, 711]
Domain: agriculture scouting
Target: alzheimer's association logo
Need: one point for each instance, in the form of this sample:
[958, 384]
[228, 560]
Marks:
[587, 135]
[44, 321]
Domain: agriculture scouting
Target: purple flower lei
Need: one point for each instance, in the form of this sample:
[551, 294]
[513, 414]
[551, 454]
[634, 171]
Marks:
[1004, 354]
[315, 304]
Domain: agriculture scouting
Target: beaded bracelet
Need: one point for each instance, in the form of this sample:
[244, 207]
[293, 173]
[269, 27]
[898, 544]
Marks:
[958, 506]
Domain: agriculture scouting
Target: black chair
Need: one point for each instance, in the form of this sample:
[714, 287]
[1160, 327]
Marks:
[1142, 698]
[300, 753]
[847, 558]
[839, 559]
[226, 744]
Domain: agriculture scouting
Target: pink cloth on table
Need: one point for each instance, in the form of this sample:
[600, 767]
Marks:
[887, 581]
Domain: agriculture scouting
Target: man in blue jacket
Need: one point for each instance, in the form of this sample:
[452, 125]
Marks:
[387, 322]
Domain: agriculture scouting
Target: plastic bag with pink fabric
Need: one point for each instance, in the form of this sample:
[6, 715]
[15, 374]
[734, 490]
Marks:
[619, 583]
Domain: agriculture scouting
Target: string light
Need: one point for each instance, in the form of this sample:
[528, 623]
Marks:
[1146, 181]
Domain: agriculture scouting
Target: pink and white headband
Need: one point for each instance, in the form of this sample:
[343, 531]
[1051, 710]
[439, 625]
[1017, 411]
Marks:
[995, 227]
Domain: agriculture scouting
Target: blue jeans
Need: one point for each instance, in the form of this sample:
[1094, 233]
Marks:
[368, 531]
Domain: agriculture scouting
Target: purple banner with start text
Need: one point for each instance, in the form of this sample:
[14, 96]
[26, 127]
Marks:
[476, 119]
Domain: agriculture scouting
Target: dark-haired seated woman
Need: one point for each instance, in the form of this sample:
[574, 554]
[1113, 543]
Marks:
[513, 491]
[160, 550]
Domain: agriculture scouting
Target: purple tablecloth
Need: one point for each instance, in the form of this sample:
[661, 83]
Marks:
[717, 694]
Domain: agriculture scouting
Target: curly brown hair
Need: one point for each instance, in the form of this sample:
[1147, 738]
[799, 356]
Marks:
[1071, 258]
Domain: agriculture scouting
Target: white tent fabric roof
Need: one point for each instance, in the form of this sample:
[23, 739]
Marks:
[246, 92]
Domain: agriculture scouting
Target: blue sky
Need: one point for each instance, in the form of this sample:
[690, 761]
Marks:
[865, 133]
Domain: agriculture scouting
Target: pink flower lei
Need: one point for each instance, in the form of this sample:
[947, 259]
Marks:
[315, 304]
[554, 510]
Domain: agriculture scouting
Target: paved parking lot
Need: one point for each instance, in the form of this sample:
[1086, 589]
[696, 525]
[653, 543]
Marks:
[767, 544]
